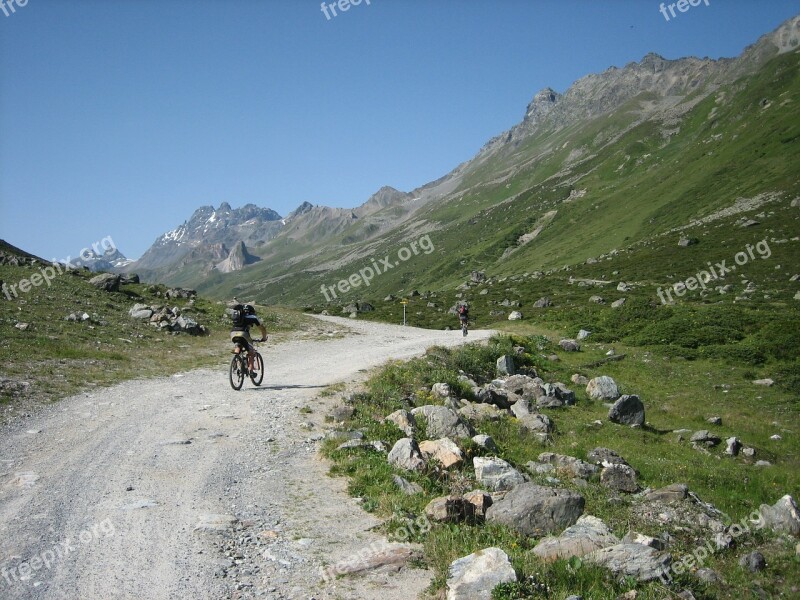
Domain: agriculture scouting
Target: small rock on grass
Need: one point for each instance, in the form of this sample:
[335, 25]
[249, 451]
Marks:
[474, 577]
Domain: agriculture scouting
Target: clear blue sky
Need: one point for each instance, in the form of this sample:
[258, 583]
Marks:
[121, 117]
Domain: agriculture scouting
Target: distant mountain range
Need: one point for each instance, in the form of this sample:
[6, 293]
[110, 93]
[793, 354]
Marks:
[620, 157]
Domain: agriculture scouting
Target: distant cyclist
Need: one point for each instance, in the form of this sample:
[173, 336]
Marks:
[463, 317]
[244, 317]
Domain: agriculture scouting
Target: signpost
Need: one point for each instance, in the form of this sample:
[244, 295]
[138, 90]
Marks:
[404, 302]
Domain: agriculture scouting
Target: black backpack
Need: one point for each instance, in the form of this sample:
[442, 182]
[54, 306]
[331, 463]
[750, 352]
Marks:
[238, 315]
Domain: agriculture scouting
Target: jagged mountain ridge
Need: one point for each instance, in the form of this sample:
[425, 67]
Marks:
[658, 91]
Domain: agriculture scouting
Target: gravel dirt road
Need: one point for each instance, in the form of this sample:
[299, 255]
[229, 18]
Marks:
[181, 487]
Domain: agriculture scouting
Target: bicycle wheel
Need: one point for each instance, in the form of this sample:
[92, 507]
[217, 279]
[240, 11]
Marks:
[237, 371]
[464, 329]
[257, 374]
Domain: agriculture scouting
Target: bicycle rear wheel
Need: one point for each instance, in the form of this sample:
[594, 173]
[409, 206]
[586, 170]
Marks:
[237, 371]
[257, 373]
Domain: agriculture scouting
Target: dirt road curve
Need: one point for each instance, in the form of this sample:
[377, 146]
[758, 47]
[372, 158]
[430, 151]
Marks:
[131, 492]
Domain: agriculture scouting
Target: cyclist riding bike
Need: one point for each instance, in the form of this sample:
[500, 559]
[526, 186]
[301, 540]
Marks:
[241, 330]
[463, 317]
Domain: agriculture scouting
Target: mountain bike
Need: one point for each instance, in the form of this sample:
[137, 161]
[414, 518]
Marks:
[239, 370]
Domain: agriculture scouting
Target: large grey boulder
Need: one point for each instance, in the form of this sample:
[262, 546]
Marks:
[405, 454]
[141, 311]
[783, 516]
[495, 474]
[523, 386]
[632, 560]
[602, 388]
[475, 576]
[536, 423]
[535, 510]
[108, 282]
[585, 536]
[620, 477]
[627, 410]
[442, 422]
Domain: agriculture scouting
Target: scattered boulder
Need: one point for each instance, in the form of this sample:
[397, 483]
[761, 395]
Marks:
[450, 509]
[765, 382]
[535, 510]
[602, 388]
[515, 316]
[442, 422]
[536, 423]
[442, 390]
[543, 302]
[618, 303]
[624, 287]
[597, 299]
[733, 445]
[586, 535]
[583, 334]
[141, 311]
[443, 450]
[632, 560]
[714, 420]
[705, 437]
[492, 395]
[407, 487]
[574, 466]
[108, 282]
[627, 410]
[569, 345]
[480, 500]
[685, 242]
[495, 474]
[674, 492]
[782, 517]
[620, 477]
[578, 379]
[485, 441]
[405, 454]
[475, 576]
[505, 365]
[474, 411]
[404, 421]
[605, 457]
[753, 562]
[128, 278]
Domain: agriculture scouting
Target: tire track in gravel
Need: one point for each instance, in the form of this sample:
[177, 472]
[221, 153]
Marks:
[102, 493]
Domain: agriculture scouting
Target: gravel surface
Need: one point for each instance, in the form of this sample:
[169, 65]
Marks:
[180, 487]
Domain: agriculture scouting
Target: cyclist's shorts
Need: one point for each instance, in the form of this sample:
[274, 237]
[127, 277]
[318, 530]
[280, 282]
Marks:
[241, 335]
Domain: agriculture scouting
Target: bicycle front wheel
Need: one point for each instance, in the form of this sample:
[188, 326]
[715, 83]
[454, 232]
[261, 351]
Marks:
[257, 373]
[237, 371]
